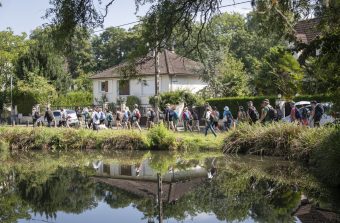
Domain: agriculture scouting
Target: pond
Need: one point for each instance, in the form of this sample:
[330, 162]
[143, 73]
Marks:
[160, 187]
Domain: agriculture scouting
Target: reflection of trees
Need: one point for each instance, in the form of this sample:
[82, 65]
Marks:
[234, 197]
[11, 205]
[67, 190]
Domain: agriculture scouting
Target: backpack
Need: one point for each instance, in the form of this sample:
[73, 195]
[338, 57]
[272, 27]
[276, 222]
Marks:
[175, 115]
[297, 114]
[152, 114]
[272, 113]
[216, 116]
[137, 114]
[304, 113]
[319, 111]
[102, 116]
[253, 114]
[109, 117]
[186, 116]
[36, 115]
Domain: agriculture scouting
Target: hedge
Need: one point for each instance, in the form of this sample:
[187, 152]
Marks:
[234, 102]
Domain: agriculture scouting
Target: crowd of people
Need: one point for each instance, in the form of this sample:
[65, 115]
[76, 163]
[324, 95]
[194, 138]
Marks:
[96, 118]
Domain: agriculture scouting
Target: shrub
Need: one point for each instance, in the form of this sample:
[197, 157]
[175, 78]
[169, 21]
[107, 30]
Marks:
[176, 97]
[131, 101]
[74, 98]
[274, 139]
[4, 150]
[322, 147]
[161, 138]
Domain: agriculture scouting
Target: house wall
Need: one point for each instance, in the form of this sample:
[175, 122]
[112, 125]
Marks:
[191, 83]
[146, 88]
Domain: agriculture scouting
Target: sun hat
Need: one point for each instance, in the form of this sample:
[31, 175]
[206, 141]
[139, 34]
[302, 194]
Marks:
[226, 108]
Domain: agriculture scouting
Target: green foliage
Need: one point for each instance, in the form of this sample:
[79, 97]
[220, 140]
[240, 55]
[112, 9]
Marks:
[131, 101]
[33, 90]
[322, 146]
[280, 73]
[176, 97]
[233, 78]
[162, 138]
[4, 150]
[74, 98]
[11, 47]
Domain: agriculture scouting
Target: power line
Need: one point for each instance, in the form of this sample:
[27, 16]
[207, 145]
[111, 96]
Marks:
[138, 21]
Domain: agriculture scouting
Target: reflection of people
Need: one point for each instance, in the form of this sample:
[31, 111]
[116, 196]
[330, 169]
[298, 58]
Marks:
[213, 170]
[97, 164]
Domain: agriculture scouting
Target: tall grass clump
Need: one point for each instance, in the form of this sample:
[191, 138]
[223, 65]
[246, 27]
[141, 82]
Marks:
[273, 139]
[161, 138]
[322, 147]
[4, 150]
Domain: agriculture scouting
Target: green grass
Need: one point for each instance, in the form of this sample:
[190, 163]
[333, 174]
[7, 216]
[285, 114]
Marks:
[159, 138]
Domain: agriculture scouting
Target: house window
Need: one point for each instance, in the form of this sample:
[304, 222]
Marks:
[124, 87]
[104, 86]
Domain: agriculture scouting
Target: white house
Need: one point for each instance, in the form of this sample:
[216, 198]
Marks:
[176, 72]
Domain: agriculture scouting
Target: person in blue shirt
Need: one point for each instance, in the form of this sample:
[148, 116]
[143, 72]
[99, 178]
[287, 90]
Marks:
[227, 118]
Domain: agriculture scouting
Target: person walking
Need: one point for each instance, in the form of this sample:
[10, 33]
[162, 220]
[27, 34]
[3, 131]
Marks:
[186, 117]
[268, 113]
[252, 113]
[95, 119]
[195, 120]
[85, 114]
[150, 118]
[63, 118]
[136, 115]
[241, 115]
[35, 116]
[167, 117]
[126, 118]
[228, 119]
[304, 115]
[49, 117]
[317, 111]
[295, 116]
[119, 118]
[209, 120]
[216, 118]
[109, 119]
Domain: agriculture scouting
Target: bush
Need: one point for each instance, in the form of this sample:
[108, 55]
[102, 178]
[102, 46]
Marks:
[176, 97]
[131, 101]
[4, 150]
[74, 98]
[322, 147]
[161, 138]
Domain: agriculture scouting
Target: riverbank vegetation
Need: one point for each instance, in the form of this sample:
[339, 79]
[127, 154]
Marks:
[26, 139]
[316, 148]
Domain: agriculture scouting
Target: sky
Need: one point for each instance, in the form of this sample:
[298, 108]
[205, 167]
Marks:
[26, 15]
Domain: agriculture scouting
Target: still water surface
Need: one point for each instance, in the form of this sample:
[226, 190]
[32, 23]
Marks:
[192, 188]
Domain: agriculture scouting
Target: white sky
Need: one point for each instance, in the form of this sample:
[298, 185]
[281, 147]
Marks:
[25, 15]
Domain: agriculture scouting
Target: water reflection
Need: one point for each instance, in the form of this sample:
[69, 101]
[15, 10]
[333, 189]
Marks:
[154, 189]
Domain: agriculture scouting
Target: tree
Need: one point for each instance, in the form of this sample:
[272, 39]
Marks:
[34, 89]
[113, 46]
[44, 60]
[280, 73]
[11, 47]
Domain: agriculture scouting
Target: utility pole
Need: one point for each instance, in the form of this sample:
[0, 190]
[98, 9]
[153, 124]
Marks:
[160, 192]
[157, 77]
[157, 71]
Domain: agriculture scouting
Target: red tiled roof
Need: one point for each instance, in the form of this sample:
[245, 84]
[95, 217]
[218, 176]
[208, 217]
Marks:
[307, 30]
[169, 63]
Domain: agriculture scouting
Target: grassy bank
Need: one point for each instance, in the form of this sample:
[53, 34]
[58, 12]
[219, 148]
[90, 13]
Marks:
[27, 139]
[316, 148]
